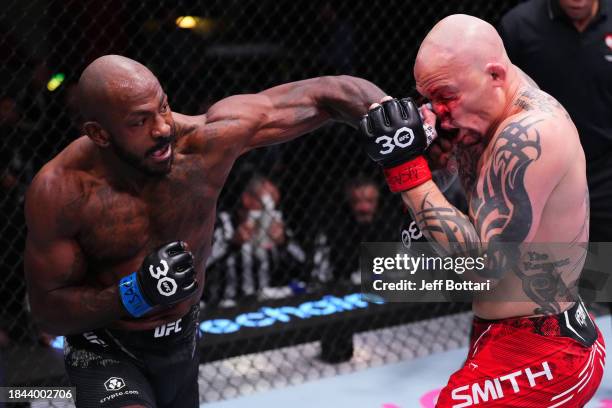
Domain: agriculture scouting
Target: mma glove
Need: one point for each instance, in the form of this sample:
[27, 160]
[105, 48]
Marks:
[165, 277]
[396, 139]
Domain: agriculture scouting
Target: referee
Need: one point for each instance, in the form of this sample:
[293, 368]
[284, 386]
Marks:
[565, 46]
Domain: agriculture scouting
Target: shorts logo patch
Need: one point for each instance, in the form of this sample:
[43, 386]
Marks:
[492, 389]
[581, 316]
[167, 329]
[94, 339]
[114, 384]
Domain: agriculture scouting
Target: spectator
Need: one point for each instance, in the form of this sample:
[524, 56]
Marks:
[253, 254]
[364, 223]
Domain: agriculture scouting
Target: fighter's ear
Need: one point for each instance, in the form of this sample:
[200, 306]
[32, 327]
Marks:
[497, 72]
[97, 134]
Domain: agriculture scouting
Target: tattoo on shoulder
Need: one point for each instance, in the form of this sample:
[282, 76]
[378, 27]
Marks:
[71, 210]
[501, 209]
[536, 100]
[503, 216]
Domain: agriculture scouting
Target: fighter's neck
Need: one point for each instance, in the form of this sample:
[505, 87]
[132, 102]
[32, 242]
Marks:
[122, 174]
[515, 85]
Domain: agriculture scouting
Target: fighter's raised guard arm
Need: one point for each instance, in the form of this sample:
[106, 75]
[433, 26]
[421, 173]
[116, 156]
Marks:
[284, 112]
[61, 300]
[507, 200]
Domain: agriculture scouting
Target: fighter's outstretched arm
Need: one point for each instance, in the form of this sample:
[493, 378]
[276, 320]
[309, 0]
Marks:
[284, 112]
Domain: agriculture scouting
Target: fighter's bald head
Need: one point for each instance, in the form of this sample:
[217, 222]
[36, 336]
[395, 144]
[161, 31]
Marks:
[458, 41]
[109, 79]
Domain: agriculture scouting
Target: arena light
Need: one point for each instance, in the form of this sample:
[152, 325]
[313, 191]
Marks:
[199, 25]
[55, 81]
[187, 22]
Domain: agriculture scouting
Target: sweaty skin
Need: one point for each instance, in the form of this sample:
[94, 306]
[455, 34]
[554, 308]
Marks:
[109, 198]
[519, 159]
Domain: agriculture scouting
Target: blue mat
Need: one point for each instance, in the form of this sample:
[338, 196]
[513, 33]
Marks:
[408, 384]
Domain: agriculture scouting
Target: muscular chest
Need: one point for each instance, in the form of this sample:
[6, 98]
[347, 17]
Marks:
[121, 225]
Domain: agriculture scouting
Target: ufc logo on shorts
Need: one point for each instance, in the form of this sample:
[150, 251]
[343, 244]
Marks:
[166, 329]
[165, 286]
[403, 138]
[497, 388]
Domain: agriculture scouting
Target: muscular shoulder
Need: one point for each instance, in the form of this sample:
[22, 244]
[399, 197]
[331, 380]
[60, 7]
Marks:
[57, 193]
[225, 124]
[540, 140]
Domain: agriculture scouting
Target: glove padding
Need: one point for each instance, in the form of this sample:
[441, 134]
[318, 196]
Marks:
[396, 139]
[167, 274]
[165, 277]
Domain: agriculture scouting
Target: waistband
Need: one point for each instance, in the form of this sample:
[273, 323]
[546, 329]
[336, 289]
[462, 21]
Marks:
[575, 323]
[164, 337]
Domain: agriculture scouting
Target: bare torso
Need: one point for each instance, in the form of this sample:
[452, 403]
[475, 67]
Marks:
[93, 215]
[120, 224]
[545, 275]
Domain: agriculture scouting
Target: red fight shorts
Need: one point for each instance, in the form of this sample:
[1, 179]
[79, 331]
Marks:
[549, 361]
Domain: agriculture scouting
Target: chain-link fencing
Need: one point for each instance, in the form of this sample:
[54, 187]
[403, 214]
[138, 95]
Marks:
[203, 51]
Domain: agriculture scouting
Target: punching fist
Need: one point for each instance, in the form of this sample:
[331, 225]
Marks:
[396, 139]
[165, 277]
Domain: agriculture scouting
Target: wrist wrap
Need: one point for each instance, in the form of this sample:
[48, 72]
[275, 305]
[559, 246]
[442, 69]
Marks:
[131, 296]
[408, 175]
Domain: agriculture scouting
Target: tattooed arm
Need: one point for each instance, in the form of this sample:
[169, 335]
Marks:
[521, 167]
[286, 111]
[55, 266]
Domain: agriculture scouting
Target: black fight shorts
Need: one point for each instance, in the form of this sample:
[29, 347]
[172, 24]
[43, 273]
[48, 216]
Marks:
[155, 368]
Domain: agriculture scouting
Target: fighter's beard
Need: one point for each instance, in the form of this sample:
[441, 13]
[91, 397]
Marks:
[139, 164]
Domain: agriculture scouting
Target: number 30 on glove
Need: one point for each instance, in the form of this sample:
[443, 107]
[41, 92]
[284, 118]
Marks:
[396, 139]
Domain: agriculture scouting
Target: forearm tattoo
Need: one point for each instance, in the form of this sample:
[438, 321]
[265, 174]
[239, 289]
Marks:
[446, 227]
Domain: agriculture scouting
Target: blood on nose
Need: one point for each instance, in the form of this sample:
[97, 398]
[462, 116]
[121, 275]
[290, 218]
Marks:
[440, 109]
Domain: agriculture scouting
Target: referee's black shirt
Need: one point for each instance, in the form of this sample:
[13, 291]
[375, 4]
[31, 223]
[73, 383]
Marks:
[575, 68]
